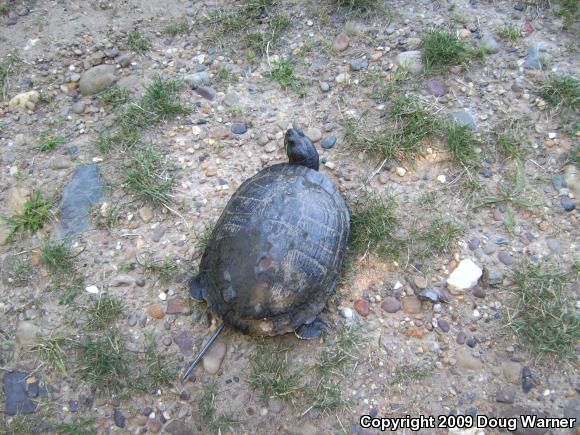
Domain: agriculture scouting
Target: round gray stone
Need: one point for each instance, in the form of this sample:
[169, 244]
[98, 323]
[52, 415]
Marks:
[328, 142]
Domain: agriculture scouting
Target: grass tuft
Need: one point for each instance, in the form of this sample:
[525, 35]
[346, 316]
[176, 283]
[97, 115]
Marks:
[50, 351]
[50, 142]
[177, 28]
[164, 269]
[103, 363]
[211, 419]
[441, 234]
[411, 126]
[37, 212]
[283, 73]
[147, 176]
[574, 156]
[156, 371]
[373, 223]
[137, 41]
[8, 65]
[461, 142]
[115, 96]
[509, 196]
[411, 373]
[272, 373]
[442, 48]
[280, 22]
[226, 75]
[77, 426]
[160, 101]
[511, 32]
[104, 311]
[19, 272]
[70, 287]
[332, 366]
[510, 140]
[58, 257]
[560, 90]
[570, 10]
[543, 314]
[358, 5]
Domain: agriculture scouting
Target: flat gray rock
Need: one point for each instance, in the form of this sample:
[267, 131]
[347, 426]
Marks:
[82, 192]
[97, 79]
[464, 118]
[533, 59]
[16, 395]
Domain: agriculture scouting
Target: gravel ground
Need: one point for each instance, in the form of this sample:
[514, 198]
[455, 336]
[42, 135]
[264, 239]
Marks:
[421, 334]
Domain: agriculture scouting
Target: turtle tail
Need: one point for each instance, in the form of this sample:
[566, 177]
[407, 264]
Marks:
[196, 288]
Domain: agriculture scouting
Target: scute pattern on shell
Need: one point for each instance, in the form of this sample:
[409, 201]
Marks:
[274, 256]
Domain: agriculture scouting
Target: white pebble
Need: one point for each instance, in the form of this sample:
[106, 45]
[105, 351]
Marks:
[401, 171]
[93, 289]
[162, 296]
[442, 178]
[397, 285]
[552, 135]
[476, 314]
[347, 313]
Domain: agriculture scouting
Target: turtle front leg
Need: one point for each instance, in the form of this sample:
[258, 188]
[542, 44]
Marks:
[311, 330]
[196, 289]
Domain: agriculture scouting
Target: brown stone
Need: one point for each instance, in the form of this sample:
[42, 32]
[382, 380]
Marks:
[415, 332]
[177, 306]
[4, 232]
[420, 282]
[36, 257]
[340, 42]
[512, 372]
[155, 311]
[467, 361]
[391, 305]
[154, 426]
[17, 196]
[220, 132]
[362, 307]
[146, 214]
[411, 305]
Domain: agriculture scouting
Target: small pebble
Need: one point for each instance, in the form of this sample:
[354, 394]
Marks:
[239, 128]
[506, 258]
[554, 246]
[328, 142]
[119, 418]
[567, 204]
[443, 325]
[474, 243]
[347, 313]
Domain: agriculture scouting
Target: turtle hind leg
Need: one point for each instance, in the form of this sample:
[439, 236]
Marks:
[195, 288]
[311, 330]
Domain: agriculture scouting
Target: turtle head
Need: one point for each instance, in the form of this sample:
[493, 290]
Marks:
[300, 150]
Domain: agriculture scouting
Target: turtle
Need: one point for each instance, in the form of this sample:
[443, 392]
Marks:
[275, 254]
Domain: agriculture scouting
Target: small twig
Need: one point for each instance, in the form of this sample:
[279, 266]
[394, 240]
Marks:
[340, 422]
[306, 412]
[177, 214]
[375, 172]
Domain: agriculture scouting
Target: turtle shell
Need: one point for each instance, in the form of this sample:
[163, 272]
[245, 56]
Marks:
[274, 256]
